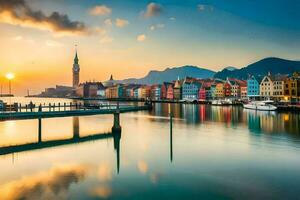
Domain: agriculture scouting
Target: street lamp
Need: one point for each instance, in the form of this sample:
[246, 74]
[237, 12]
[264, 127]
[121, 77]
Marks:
[10, 76]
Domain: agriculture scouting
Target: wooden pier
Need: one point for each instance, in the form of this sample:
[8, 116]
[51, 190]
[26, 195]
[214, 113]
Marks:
[51, 111]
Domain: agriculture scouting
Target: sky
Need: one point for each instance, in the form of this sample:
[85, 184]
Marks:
[130, 38]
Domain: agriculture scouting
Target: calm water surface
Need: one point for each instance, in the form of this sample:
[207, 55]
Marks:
[212, 153]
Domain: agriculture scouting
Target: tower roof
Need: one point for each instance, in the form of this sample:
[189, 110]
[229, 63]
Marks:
[76, 58]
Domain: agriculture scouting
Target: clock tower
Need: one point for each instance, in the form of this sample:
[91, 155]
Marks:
[76, 70]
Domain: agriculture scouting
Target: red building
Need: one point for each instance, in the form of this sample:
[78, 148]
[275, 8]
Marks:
[170, 91]
[202, 93]
[227, 89]
[164, 91]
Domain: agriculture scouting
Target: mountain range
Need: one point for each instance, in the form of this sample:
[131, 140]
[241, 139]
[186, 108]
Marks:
[259, 68]
[170, 74]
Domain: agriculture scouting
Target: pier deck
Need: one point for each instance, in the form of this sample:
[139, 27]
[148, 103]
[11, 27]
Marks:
[68, 113]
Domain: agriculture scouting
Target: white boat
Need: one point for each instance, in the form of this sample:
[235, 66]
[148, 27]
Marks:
[261, 105]
[216, 102]
[220, 102]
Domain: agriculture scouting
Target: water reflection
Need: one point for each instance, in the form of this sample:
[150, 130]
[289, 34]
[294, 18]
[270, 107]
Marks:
[233, 116]
[51, 184]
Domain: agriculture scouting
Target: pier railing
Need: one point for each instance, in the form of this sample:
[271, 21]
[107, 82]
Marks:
[32, 111]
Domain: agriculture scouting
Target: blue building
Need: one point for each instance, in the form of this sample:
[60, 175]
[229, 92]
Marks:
[190, 89]
[252, 87]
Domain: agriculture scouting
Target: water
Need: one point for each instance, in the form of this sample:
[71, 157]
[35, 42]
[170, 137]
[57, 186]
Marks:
[214, 153]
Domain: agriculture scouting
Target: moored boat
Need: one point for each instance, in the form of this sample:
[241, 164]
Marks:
[261, 105]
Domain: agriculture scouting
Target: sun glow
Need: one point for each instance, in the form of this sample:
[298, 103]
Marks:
[10, 76]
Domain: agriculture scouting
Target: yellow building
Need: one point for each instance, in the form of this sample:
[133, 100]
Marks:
[219, 92]
[266, 87]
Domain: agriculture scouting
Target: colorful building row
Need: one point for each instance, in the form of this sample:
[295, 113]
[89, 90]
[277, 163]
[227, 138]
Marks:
[277, 87]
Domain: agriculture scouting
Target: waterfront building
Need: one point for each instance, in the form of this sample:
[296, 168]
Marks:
[58, 91]
[114, 92]
[227, 88]
[155, 92]
[128, 90]
[292, 88]
[170, 91]
[190, 89]
[76, 70]
[243, 89]
[164, 90]
[252, 87]
[90, 89]
[144, 92]
[266, 87]
[178, 89]
[212, 91]
[136, 92]
[109, 83]
[278, 90]
[219, 91]
[202, 93]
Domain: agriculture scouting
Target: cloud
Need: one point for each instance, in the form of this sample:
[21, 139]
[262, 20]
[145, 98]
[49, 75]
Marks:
[108, 22]
[106, 39]
[100, 31]
[141, 38]
[100, 10]
[153, 9]
[172, 18]
[203, 7]
[17, 12]
[157, 26]
[121, 22]
[52, 184]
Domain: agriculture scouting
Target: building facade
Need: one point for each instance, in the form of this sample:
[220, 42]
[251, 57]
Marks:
[190, 89]
[76, 70]
[253, 87]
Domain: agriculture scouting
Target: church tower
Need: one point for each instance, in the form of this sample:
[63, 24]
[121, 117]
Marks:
[76, 70]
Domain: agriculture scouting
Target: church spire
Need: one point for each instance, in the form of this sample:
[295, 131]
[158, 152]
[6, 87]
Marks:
[76, 57]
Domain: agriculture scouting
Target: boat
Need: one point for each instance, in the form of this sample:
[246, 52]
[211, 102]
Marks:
[220, 102]
[261, 105]
[216, 102]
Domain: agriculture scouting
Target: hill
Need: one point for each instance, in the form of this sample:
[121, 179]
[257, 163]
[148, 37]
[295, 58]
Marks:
[261, 68]
[170, 74]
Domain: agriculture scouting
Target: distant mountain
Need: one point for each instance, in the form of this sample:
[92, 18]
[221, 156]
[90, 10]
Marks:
[261, 68]
[170, 74]
[231, 68]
